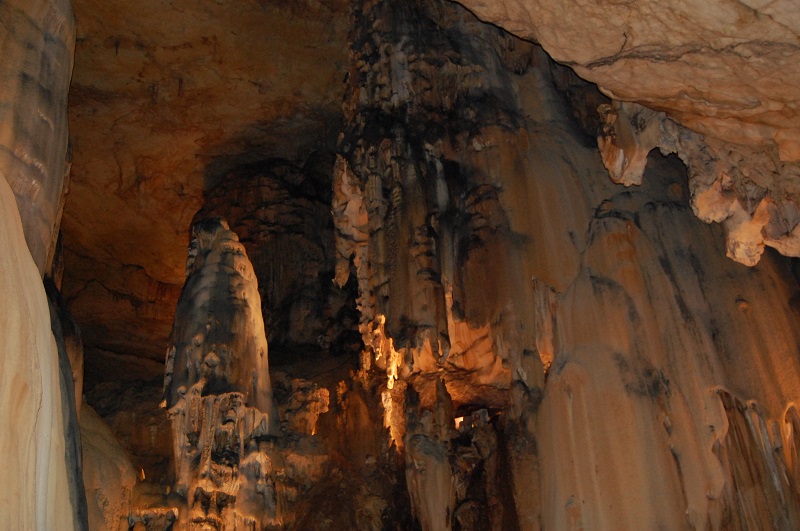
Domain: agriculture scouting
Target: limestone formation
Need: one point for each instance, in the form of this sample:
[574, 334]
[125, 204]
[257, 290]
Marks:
[628, 403]
[754, 195]
[37, 44]
[538, 346]
[35, 492]
[217, 386]
[108, 474]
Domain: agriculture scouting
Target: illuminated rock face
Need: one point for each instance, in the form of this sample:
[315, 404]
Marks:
[217, 388]
[644, 379]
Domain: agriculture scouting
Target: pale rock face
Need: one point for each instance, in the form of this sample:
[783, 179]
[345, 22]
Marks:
[35, 491]
[37, 46]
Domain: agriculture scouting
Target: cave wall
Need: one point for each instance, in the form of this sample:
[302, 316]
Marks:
[38, 46]
[42, 487]
[35, 493]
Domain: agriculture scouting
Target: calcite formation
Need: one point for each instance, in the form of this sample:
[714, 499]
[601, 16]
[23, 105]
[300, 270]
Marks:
[543, 348]
[35, 492]
[646, 380]
[38, 46]
[217, 387]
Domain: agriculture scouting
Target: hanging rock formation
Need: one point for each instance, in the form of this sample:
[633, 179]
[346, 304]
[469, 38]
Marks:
[726, 69]
[645, 380]
[726, 88]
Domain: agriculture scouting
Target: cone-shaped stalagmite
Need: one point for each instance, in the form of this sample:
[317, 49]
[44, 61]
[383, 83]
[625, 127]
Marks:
[217, 384]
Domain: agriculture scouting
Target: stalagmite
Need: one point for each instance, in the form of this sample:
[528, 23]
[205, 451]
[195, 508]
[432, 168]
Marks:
[217, 387]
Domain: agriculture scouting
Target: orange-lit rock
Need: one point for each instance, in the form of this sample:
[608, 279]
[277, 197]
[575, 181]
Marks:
[108, 474]
[166, 99]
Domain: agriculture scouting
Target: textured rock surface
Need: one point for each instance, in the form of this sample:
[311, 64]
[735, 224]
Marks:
[167, 97]
[752, 194]
[35, 490]
[37, 43]
[648, 378]
[217, 387]
[731, 75]
[729, 69]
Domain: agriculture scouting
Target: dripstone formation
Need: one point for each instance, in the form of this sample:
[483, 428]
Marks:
[511, 341]
[217, 387]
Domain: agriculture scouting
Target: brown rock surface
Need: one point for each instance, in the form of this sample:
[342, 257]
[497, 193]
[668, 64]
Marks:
[37, 43]
[166, 98]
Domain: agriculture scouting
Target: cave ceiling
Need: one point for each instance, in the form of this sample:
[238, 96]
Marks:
[168, 97]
